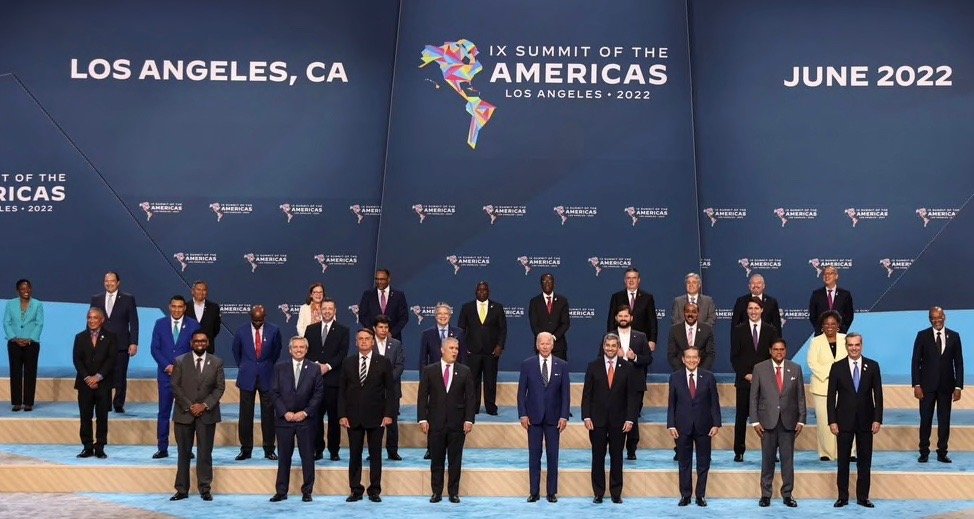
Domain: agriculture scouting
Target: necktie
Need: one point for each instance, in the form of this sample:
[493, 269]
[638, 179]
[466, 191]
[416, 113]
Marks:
[693, 387]
[442, 333]
[754, 336]
[382, 301]
[175, 331]
[446, 377]
[199, 364]
[940, 343]
[258, 343]
[297, 374]
[363, 371]
[690, 335]
[482, 311]
[324, 332]
[855, 375]
[110, 304]
[549, 303]
[831, 300]
[544, 371]
[612, 373]
[781, 380]
[693, 300]
[94, 338]
[632, 300]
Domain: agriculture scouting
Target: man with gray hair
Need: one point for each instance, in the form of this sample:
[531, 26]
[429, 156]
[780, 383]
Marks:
[770, 312]
[707, 311]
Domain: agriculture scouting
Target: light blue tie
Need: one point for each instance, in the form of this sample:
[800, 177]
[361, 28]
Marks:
[855, 375]
[175, 331]
[442, 333]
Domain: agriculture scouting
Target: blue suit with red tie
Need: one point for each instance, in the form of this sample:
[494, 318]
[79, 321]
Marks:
[166, 346]
[544, 405]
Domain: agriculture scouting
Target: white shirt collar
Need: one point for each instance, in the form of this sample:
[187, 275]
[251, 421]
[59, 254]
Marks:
[694, 372]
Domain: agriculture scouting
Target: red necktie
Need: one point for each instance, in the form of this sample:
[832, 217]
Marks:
[781, 380]
[549, 303]
[693, 387]
[258, 343]
[612, 373]
[831, 299]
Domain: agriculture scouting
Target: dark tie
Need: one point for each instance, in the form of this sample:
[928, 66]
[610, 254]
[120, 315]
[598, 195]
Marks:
[544, 371]
[831, 300]
[693, 387]
[324, 332]
[632, 300]
[781, 380]
[363, 371]
[549, 305]
[442, 333]
[382, 301]
[940, 343]
[199, 364]
[754, 336]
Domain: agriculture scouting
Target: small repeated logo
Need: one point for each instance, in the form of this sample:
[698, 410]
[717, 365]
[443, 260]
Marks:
[354, 310]
[422, 312]
[705, 263]
[425, 210]
[660, 313]
[292, 210]
[819, 264]
[185, 259]
[857, 214]
[235, 308]
[467, 261]
[600, 263]
[725, 313]
[256, 260]
[221, 209]
[927, 215]
[361, 211]
[514, 311]
[330, 260]
[565, 212]
[788, 214]
[153, 208]
[581, 313]
[724, 213]
[636, 213]
[289, 310]
[496, 211]
[751, 264]
[787, 314]
[529, 262]
[893, 264]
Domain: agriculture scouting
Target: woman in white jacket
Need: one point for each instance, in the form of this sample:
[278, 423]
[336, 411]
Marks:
[310, 312]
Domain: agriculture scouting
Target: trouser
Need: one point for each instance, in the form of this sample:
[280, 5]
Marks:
[484, 370]
[305, 432]
[23, 372]
[444, 442]
[685, 447]
[778, 440]
[826, 440]
[245, 427]
[864, 461]
[609, 438]
[740, 420]
[166, 398]
[549, 436]
[204, 434]
[632, 437]
[329, 406]
[94, 402]
[941, 400]
[356, 443]
[121, 377]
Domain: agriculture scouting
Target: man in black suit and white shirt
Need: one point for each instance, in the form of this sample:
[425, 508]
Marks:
[206, 312]
[328, 345]
[485, 330]
[641, 305]
[750, 344]
[548, 312]
[690, 329]
[770, 313]
[855, 411]
[831, 297]
[122, 319]
[445, 408]
[938, 378]
[391, 349]
[633, 350]
[385, 301]
[94, 362]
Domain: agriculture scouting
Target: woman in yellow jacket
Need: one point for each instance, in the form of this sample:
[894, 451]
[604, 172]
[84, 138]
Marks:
[827, 349]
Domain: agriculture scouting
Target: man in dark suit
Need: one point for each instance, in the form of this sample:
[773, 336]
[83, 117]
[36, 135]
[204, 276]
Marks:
[122, 319]
[938, 378]
[170, 339]
[830, 297]
[485, 329]
[328, 342]
[778, 415]
[770, 312]
[693, 418]
[366, 403]
[386, 301]
[206, 312]
[855, 411]
[548, 312]
[691, 329]
[198, 384]
[706, 310]
[445, 409]
[543, 402]
[432, 339]
[610, 407]
[641, 305]
[94, 362]
[297, 391]
[750, 344]
[634, 351]
[256, 347]
[391, 349]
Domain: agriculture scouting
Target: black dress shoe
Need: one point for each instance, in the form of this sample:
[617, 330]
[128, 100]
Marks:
[923, 458]
[853, 459]
[866, 503]
[942, 458]
[86, 453]
[306, 498]
[270, 455]
[178, 496]
[242, 456]
[701, 501]
[160, 455]
[533, 497]
[319, 455]
[206, 496]
[119, 409]
[839, 503]
[100, 454]
[28, 408]
[278, 497]
[335, 457]
[684, 501]
[427, 455]
[739, 458]
[676, 457]
[617, 500]
[395, 457]
[192, 456]
[824, 458]
[597, 499]
[790, 502]
[353, 498]
[552, 498]
[764, 501]
[631, 456]
[436, 498]
[375, 498]
[454, 499]
[17, 408]
[492, 413]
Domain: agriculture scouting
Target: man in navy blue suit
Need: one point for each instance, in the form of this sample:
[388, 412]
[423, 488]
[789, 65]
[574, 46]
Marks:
[297, 390]
[543, 400]
[256, 347]
[170, 339]
[383, 300]
[693, 418]
[433, 337]
[122, 316]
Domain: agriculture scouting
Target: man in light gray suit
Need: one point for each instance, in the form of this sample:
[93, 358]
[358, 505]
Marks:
[197, 385]
[778, 415]
[392, 349]
[705, 304]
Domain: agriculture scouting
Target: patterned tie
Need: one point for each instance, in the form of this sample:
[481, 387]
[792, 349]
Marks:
[831, 300]
[781, 380]
[940, 343]
[324, 332]
[482, 312]
[382, 301]
[544, 371]
[258, 343]
[754, 336]
[446, 377]
[693, 387]
[110, 304]
[855, 375]
[612, 373]
[363, 371]
[297, 374]
[549, 305]
[199, 365]
[442, 333]
[690, 335]
[175, 331]
[693, 300]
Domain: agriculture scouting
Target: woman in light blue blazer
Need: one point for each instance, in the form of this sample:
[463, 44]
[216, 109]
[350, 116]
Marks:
[23, 321]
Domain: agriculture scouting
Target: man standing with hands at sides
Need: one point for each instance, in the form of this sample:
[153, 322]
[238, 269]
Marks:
[938, 378]
[445, 407]
[366, 403]
[122, 319]
[778, 415]
[206, 312]
[610, 407]
[750, 344]
[256, 347]
[693, 418]
[198, 384]
[432, 339]
[94, 361]
[831, 298]
[386, 301]
[770, 312]
[548, 312]
[328, 346]
[633, 349]
[543, 401]
[690, 333]
[297, 391]
[485, 326]
[391, 349]
[641, 305]
[170, 339]
[855, 412]
[706, 310]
